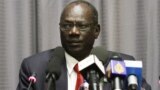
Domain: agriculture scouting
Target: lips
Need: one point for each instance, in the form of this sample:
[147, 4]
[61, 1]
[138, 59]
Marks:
[74, 43]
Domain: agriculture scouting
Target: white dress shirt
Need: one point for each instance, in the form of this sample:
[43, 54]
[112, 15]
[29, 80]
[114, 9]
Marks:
[71, 74]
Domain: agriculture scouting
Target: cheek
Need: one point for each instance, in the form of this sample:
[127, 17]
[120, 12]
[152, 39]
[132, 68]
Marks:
[63, 35]
[89, 37]
[89, 34]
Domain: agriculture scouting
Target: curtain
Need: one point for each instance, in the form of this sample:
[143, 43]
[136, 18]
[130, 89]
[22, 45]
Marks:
[31, 26]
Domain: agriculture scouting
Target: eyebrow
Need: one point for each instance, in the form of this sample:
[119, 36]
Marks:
[77, 22]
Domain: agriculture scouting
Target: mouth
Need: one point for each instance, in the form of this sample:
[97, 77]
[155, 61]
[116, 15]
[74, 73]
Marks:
[74, 43]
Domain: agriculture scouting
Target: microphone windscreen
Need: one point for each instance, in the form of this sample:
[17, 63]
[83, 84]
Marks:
[54, 65]
[101, 53]
[32, 78]
[59, 52]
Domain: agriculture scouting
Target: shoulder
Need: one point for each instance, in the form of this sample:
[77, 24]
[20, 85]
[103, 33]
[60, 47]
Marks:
[121, 55]
[36, 61]
[110, 54]
[105, 55]
[39, 57]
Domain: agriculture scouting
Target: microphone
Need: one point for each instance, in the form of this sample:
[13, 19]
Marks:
[54, 68]
[159, 80]
[101, 53]
[104, 55]
[32, 80]
[116, 73]
[84, 86]
[92, 70]
[134, 74]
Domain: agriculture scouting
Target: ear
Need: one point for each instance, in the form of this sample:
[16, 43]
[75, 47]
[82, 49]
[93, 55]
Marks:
[97, 31]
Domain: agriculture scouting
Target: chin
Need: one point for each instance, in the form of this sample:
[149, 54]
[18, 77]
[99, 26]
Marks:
[75, 50]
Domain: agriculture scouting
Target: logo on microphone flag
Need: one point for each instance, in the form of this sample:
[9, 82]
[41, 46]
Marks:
[119, 68]
[116, 68]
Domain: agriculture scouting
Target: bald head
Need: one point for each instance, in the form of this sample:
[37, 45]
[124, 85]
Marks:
[79, 28]
[82, 8]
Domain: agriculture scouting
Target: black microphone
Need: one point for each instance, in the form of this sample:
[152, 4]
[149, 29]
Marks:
[116, 73]
[101, 53]
[32, 80]
[54, 68]
[92, 70]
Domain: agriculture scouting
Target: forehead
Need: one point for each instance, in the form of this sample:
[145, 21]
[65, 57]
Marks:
[78, 12]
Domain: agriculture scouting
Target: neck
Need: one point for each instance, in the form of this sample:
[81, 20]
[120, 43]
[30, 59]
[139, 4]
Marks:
[80, 56]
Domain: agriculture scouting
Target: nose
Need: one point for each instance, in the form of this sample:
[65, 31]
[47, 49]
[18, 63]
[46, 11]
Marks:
[74, 31]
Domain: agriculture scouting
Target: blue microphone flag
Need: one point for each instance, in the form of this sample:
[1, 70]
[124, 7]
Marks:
[134, 68]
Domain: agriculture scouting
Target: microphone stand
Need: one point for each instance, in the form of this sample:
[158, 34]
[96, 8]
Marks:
[117, 84]
[93, 80]
[51, 85]
[29, 85]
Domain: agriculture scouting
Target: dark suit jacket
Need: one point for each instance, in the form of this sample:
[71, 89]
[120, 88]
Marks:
[38, 64]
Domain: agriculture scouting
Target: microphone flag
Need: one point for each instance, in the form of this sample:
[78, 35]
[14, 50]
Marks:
[134, 68]
[116, 68]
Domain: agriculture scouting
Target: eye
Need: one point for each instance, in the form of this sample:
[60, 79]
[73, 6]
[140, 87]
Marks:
[83, 26]
[66, 26]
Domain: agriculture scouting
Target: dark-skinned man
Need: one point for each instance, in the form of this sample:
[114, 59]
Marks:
[78, 30]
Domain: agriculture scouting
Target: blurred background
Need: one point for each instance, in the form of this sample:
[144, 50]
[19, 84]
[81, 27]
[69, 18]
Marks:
[31, 26]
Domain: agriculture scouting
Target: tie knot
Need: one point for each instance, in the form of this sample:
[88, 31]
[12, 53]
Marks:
[76, 68]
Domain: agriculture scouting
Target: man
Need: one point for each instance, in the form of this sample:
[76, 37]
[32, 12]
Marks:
[78, 30]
